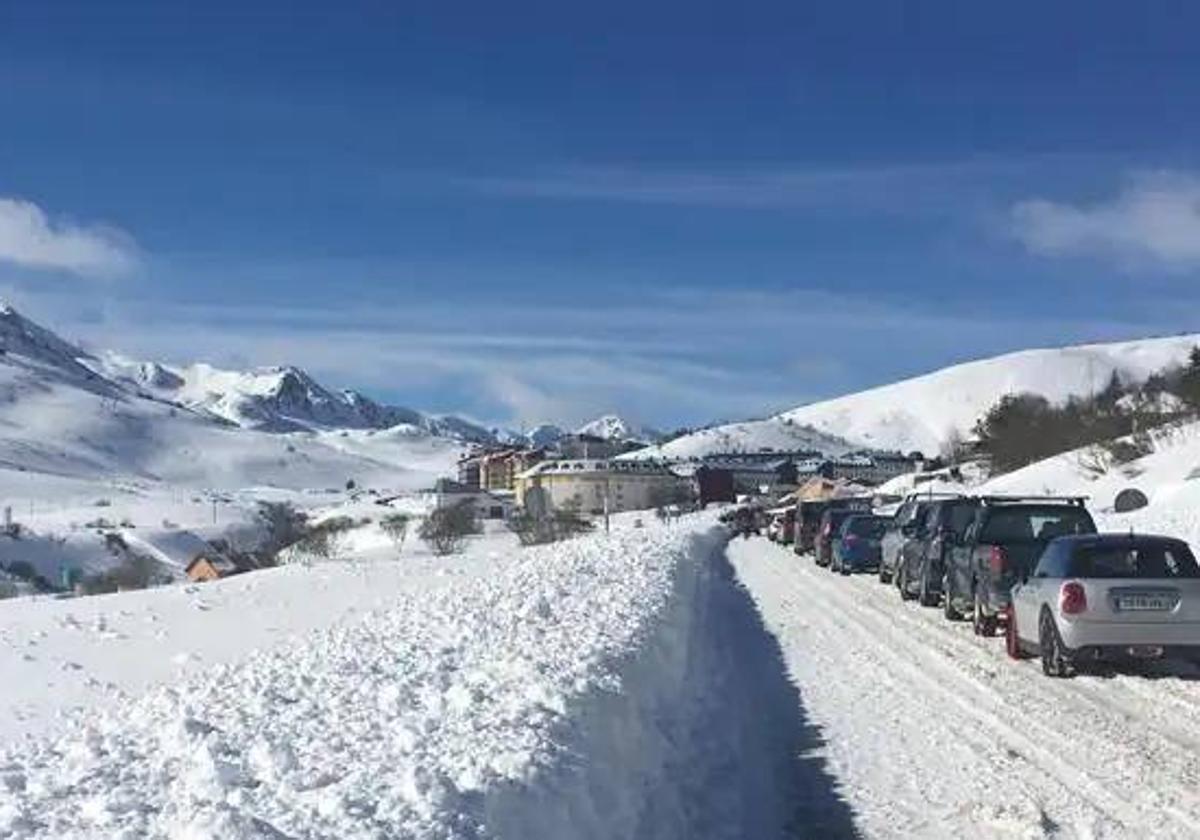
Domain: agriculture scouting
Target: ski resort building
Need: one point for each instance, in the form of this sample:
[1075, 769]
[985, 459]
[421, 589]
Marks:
[594, 486]
[488, 505]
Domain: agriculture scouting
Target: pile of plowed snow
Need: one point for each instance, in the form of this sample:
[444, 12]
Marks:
[525, 699]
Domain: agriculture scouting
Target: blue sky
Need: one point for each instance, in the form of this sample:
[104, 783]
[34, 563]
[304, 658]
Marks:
[684, 212]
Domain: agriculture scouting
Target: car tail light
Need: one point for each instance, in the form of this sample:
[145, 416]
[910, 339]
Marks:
[850, 539]
[1072, 598]
[997, 559]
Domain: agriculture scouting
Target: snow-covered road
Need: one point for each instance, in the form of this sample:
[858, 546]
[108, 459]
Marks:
[932, 732]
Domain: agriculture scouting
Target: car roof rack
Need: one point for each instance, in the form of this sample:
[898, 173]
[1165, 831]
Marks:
[1020, 498]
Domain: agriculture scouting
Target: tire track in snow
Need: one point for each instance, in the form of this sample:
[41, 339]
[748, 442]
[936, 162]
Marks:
[1160, 746]
[784, 586]
[985, 711]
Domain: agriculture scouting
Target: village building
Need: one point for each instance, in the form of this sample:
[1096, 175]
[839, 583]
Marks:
[871, 468]
[585, 447]
[213, 565]
[499, 470]
[468, 469]
[495, 504]
[756, 476]
[713, 484]
[595, 486]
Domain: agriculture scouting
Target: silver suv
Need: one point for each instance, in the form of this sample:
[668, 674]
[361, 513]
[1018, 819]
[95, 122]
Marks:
[1100, 597]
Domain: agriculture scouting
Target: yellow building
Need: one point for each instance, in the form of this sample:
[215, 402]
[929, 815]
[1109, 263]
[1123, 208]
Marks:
[594, 486]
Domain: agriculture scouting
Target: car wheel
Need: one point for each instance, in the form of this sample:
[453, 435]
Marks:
[884, 577]
[902, 584]
[926, 598]
[948, 609]
[1055, 662]
[982, 623]
[1012, 641]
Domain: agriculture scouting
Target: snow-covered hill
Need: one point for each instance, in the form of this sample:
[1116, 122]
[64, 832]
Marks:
[775, 434]
[922, 412]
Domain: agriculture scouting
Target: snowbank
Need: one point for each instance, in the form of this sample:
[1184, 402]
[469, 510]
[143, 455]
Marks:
[550, 697]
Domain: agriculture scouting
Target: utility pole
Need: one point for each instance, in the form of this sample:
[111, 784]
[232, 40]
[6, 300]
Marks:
[606, 503]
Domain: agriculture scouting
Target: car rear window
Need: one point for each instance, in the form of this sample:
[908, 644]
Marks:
[959, 518]
[1027, 524]
[867, 526]
[1134, 561]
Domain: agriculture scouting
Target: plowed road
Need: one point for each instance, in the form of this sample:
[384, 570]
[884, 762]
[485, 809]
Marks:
[932, 732]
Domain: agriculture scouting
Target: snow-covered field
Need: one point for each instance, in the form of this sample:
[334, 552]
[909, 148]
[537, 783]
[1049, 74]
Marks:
[932, 732]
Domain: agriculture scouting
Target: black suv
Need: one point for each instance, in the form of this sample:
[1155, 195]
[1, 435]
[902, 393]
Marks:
[922, 564]
[904, 528]
[999, 547]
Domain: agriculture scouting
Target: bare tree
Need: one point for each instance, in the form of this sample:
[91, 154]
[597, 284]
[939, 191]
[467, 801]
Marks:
[325, 540]
[283, 525]
[445, 530]
[395, 527]
[561, 524]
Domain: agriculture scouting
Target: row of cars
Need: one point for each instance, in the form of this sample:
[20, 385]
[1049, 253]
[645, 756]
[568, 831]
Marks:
[1033, 566]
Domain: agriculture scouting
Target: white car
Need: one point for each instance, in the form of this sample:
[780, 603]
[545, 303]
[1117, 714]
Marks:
[1099, 597]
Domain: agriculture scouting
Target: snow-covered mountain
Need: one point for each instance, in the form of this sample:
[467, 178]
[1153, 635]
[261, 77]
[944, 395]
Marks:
[274, 399]
[923, 412]
[66, 414]
[615, 427]
[544, 434]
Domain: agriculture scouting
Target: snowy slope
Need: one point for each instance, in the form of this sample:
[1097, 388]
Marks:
[920, 413]
[1169, 476]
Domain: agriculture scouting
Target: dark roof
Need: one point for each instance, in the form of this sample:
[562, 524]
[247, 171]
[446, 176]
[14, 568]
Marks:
[1119, 539]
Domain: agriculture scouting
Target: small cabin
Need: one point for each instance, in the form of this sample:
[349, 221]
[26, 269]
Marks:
[205, 567]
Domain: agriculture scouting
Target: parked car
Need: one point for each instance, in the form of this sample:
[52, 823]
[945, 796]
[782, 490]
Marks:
[1000, 546]
[807, 519]
[922, 563]
[856, 547]
[787, 526]
[904, 527]
[1107, 597]
[831, 523]
[774, 525]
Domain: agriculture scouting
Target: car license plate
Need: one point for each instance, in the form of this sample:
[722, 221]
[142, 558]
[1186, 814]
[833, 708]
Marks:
[1145, 603]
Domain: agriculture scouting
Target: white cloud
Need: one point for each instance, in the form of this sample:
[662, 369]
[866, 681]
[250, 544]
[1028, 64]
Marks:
[29, 238]
[1155, 218]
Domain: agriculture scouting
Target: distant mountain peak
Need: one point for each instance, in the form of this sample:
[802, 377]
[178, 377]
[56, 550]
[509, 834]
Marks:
[616, 427]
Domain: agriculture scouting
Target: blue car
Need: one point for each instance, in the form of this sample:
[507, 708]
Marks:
[856, 548]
